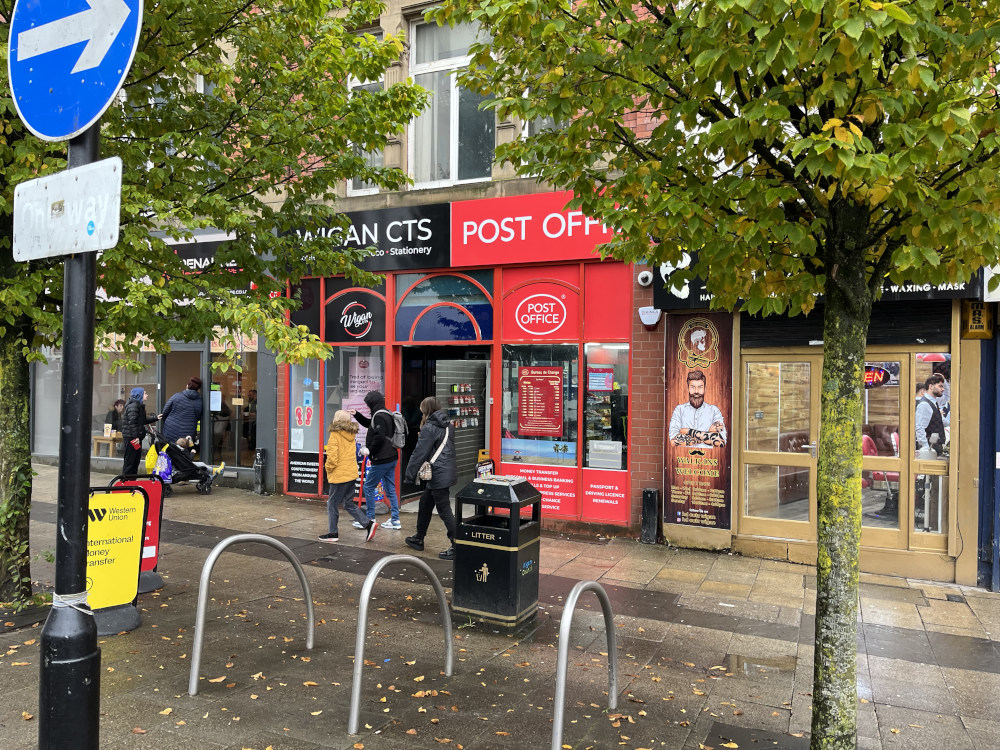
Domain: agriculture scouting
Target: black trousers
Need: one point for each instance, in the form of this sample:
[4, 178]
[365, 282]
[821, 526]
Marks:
[133, 456]
[429, 500]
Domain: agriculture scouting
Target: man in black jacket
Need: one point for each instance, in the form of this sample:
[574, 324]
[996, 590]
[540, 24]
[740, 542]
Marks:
[134, 421]
[382, 456]
[182, 412]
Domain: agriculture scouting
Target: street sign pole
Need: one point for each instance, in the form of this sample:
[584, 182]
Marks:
[69, 697]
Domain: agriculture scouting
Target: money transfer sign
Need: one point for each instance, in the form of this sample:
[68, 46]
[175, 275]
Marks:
[115, 530]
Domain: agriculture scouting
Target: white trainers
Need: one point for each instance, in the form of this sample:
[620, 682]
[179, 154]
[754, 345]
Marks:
[358, 525]
[390, 524]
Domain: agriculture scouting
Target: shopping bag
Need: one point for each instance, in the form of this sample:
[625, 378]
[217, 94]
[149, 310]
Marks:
[151, 456]
[164, 468]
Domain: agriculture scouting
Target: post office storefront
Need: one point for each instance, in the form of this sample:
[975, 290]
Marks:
[919, 496]
[500, 309]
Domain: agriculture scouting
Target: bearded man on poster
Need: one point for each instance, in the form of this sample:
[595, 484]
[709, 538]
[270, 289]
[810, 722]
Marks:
[697, 424]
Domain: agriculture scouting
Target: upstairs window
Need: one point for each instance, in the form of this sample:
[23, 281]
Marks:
[453, 139]
[374, 158]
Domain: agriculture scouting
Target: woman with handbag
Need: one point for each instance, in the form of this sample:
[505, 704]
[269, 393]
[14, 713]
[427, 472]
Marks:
[433, 463]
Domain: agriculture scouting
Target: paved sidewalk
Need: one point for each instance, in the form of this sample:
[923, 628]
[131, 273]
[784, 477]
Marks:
[713, 648]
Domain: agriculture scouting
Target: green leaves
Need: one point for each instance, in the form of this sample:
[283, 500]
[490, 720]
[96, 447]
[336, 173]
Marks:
[763, 133]
[236, 122]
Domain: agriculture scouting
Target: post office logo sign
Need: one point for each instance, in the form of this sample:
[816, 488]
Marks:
[540, 314]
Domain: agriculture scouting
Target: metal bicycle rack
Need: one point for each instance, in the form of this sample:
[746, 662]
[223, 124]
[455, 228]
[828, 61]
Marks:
[359, 644]
[206, 573]
[561, 664]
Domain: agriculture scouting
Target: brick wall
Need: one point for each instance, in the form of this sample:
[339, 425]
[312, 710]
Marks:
[282, 430]
[646, 403]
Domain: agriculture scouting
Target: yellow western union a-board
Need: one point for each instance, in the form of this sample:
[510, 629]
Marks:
[116, 522]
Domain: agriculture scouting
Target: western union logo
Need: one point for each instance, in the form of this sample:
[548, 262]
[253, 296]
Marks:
[97, 514]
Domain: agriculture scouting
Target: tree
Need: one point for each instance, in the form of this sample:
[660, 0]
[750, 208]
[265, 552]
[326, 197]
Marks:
[237, 116]
[804, 148]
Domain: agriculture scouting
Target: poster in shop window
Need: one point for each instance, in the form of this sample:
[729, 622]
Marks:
[699, 408]
[540, 406]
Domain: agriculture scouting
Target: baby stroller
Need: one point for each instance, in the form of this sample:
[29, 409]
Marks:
[182, 467]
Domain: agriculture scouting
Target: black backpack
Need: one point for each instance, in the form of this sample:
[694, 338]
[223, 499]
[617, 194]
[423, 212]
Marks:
[398, 437]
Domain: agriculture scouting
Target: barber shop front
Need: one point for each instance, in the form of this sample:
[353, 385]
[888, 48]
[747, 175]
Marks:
[500, 309]
[920, 432]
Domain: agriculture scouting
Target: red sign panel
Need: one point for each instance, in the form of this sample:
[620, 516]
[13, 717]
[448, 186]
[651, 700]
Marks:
[556, 483]
[545, 310]
[522, 229]
[605, 496]
[153, 487]
[540, 407]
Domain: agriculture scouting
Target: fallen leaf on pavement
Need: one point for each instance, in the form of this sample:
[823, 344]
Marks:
[218, 679]
[138, 730]
[26, 716]
[166, 712]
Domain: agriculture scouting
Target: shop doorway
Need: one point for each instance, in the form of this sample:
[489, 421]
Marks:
[905, 487]
[178, 367]
[459, 377]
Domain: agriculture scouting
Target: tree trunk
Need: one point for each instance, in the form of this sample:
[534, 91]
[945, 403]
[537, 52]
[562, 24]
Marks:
[846, 316]
[15, 468]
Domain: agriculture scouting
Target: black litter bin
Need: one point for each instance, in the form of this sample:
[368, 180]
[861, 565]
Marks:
[496, 551]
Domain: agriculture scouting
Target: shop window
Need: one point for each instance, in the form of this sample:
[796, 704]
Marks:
[932, 409]
[108, 387]
[351, 372]
[930, 503]
[880, 439]
[605, 415]
[780, 492]
[778, 406]
[454, 138]
[234, 410]
[932, 441]
[539, 404]
[308, 313]
[304, 408]
[444, 308]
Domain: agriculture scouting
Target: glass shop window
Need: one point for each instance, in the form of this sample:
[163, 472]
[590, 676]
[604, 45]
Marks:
[605, 410]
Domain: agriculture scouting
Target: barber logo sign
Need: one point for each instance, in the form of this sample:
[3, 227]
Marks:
[540, 314]
[356, 319]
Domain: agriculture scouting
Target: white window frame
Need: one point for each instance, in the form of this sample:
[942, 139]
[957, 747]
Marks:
[453, 64]
[356, 83]
[352, 84]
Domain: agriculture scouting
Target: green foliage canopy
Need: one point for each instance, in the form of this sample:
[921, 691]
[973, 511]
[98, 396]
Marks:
[236, 116]
[769, 136]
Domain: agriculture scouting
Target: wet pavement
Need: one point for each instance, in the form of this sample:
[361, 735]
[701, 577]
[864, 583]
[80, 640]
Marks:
[713, 649]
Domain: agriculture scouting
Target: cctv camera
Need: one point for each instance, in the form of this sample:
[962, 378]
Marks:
[645, 278]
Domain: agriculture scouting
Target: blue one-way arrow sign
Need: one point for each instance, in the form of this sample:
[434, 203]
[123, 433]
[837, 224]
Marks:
[67, 59]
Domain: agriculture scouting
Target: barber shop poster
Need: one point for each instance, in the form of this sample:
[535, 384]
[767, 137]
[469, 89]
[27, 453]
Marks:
[699, 398]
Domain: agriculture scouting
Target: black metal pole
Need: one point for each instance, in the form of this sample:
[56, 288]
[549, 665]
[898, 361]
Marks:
[69, 692]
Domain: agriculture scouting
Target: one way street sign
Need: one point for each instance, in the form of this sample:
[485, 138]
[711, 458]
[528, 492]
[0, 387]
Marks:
[67, 59]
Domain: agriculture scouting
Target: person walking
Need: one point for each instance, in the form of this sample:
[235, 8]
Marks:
[182, 412]
[342, 471]
[436, 445]
[134, 421]
[382, 456]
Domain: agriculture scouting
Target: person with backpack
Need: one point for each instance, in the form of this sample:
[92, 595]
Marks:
[434, 455]
[386, 434]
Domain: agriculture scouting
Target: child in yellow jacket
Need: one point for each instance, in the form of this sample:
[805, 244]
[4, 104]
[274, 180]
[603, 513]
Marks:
[342, 471]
